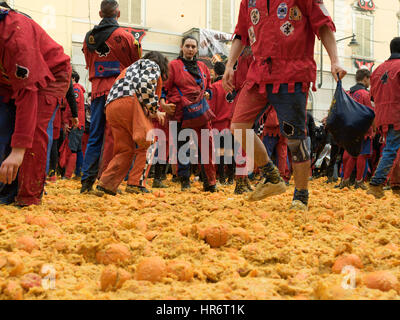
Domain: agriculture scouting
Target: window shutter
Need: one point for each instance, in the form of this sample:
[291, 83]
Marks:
[363, 34]
[124, 8]
[136, 10]
[215, 14]
[227, 16]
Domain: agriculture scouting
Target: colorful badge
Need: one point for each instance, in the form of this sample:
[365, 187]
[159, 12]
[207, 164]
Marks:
[252, 3]
[21, 72]
[287, 28]
[295, 14]
[252, 35]
[255, 16]
[282, 10]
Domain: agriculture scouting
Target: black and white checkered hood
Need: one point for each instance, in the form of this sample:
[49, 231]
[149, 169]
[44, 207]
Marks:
[140, 79]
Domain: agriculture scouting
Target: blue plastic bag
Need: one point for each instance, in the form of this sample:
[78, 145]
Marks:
[348, 121]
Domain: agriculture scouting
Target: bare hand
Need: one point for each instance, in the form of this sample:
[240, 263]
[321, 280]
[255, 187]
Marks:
[227, 80]
[67, 129]
[161, 118]
[169, 108]
[10, 166]
[75, 122]
[207, 95]
[337, 69]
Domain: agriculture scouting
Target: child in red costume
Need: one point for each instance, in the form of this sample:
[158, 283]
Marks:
[282, 37]
[36, 74]
[360, 94]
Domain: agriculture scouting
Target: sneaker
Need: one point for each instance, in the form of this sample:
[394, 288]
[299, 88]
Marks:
[248, 184]
[185, 183]
[360, 185]
[240, 186]
[175, 179]
[158, 184]
[298, 206]
[100, 192]
[136, 190]
[222, 181]
[272, 186]
[343, 184]
[396, 190]
[230, 181]
[211, 189]
[376, 191]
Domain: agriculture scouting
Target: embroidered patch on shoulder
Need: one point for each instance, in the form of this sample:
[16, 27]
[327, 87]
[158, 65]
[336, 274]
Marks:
[385, 77]
[21, 72]
[104, 50]
[255, 16]
[287, 28]
[230, 97]
[252, 36]
[295, 14]
[282, 10]
[252, 3]
[91, 40]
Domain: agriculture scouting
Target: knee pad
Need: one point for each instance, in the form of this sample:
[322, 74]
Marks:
[300, 150]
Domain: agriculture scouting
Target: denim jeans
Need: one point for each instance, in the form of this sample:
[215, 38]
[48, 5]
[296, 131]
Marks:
[91, 161]
[389, 155]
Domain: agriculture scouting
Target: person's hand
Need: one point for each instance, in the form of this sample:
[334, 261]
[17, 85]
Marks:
[66, 129]
[160, 118]
[227, 80]
[337, 69]
[169, 108]
[207, 95]
[9, 167]
[75, 122]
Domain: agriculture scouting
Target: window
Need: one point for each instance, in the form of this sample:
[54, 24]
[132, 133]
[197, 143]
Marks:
[132, 11]
[221, 15]
[363, 28]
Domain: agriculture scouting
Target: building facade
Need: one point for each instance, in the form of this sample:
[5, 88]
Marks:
[374, 22]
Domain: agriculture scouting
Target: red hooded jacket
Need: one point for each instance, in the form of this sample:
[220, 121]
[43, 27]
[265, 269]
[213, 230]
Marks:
[79, 92]
[222, 106]
[31, 63]
[179, 77]
[282, 38]
[385, 90]
[122, 49]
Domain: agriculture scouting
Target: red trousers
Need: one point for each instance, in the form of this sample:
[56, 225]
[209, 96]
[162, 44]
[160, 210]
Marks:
[32, 173]
[350, 162]
[126, 118]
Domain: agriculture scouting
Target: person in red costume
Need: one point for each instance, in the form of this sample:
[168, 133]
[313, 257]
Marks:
[108, 50]
[385, 91]
[35, 77]
[222, 106]
[360, 94]
[282, 38]
[188, 83]
[74, 133]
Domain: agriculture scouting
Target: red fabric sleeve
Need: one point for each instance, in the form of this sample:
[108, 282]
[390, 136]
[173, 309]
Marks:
[213, 101]
[242, 25]
[169, 84]
[26, 103]
[318, 16]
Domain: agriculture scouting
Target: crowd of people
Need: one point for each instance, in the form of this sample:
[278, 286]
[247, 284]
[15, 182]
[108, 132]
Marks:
[257, 99]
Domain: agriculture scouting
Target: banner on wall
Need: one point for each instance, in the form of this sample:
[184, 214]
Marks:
[362, 63]
[214, 46]
[367, 5]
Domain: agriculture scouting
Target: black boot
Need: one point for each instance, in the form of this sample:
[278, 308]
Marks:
[231, 174]
[185, 183]
[87, 185]
[157, 183]
[211, 189]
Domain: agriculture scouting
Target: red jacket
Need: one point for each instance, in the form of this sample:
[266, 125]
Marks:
[385, 90]
[222, 106]
[79, 92]
[122, 50]
[282, 39]
[31, 63]
[179, 77]
[360, 94]
[242, 68]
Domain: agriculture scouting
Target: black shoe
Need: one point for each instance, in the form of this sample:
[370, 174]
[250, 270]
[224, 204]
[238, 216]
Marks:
[222, 181]
[158, 184]
[175, 179]
[211, 189]
[100, 191]
[185, 183]
[241, 186]
[136, 190]
[87, 186]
